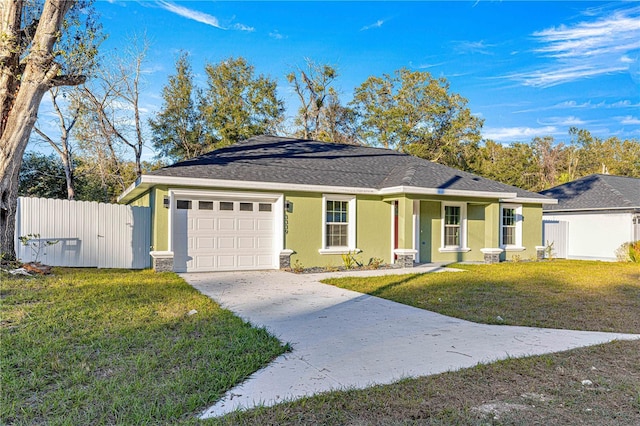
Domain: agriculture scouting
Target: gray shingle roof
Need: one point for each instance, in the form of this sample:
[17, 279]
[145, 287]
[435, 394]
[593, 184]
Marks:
[299, 161]
[596, 192]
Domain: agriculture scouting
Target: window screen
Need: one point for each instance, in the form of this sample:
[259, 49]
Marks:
[337, 223]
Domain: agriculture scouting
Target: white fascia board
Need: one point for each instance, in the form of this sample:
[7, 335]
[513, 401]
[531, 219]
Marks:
[622, 210]
[146, 181]
[529, 200]
[131, 192]
[149, 180]
[448, 192]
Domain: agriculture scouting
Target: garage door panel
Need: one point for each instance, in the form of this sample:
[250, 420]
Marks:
[205, 262]
[264, 242]
[245, 243]
[210, 238]
[204, 243]
[226, 261]
[246, 224]
[227, 224]
[264, 224]
[245, 261]
[226, 242]
[205, 224]
[264, 260]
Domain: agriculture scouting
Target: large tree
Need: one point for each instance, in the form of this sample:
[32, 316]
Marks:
[110, 113]
[30, 64]
[415, 113]
[42, 176]
[237, 104]
[320, 112]
[66, 116]
[178, 130]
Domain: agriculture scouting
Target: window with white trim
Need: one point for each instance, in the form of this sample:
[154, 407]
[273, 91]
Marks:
[338, 227]
[337, 224]
[453, 232]
[508, 226]
[452, 224]
[511, 226]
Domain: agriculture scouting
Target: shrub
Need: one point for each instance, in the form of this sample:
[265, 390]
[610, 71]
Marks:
[629, 252]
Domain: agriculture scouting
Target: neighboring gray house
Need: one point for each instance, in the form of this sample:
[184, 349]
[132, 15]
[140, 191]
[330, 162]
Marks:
[593, 217]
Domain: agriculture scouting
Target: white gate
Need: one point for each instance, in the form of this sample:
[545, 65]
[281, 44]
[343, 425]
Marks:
[556, 232]
[88, 234]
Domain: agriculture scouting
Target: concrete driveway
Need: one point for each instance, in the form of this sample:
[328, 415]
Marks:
[344, 339]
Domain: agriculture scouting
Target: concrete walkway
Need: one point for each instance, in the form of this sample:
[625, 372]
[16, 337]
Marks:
[344, 339]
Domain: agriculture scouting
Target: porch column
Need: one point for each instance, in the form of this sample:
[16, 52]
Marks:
[405, 252]
[491, 250]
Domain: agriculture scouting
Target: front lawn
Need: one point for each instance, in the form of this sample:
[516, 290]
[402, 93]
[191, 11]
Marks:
[118, 347]
[577, 295]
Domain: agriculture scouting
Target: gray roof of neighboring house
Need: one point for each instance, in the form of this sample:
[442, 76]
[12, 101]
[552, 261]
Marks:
[596, 192]
[307, 162]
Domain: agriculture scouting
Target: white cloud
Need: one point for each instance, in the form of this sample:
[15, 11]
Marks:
[275, 34]
[563, 121]
[586, 49]
[194, 15]
[629, 120]
[583, 105]
[473, 47]
[242, 27]
[198, 16]
[376, 24]
[513, 134]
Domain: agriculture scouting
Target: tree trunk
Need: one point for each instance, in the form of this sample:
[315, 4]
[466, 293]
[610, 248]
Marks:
[68, 173]
[9, 201]
[19, 114]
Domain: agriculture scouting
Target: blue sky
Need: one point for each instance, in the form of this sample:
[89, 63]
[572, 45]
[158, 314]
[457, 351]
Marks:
[528, 68]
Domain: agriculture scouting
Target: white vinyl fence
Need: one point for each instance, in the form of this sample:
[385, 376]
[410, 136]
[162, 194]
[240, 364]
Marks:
[88, 234]
[556, 232]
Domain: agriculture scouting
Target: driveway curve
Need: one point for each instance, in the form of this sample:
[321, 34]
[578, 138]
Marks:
[344, 339]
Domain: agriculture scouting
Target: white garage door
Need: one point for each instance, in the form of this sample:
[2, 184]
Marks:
[223, 235]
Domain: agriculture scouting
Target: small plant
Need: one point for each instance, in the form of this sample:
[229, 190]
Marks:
[629, 252]
[37, 245]
[297, 267]
[375, 262]
[349, 260]
[331, 268]
[516, 258]
[549, 251]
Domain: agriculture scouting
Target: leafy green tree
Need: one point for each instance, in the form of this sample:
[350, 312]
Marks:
[320, 114]
[611, 155]
[415, 113]
[513, 164]
[237, 104]
[42, 176]
[33, 59]
[178, 129]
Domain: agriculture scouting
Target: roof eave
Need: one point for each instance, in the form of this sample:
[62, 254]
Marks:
[447, 192]
[144, 182]
[593, 209]
[531, 200]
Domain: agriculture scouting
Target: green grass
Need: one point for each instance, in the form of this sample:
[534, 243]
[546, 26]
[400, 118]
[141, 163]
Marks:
[117, 347]
[577, 295]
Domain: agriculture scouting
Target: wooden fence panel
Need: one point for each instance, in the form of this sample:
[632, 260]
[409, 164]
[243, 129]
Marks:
[89, 234]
